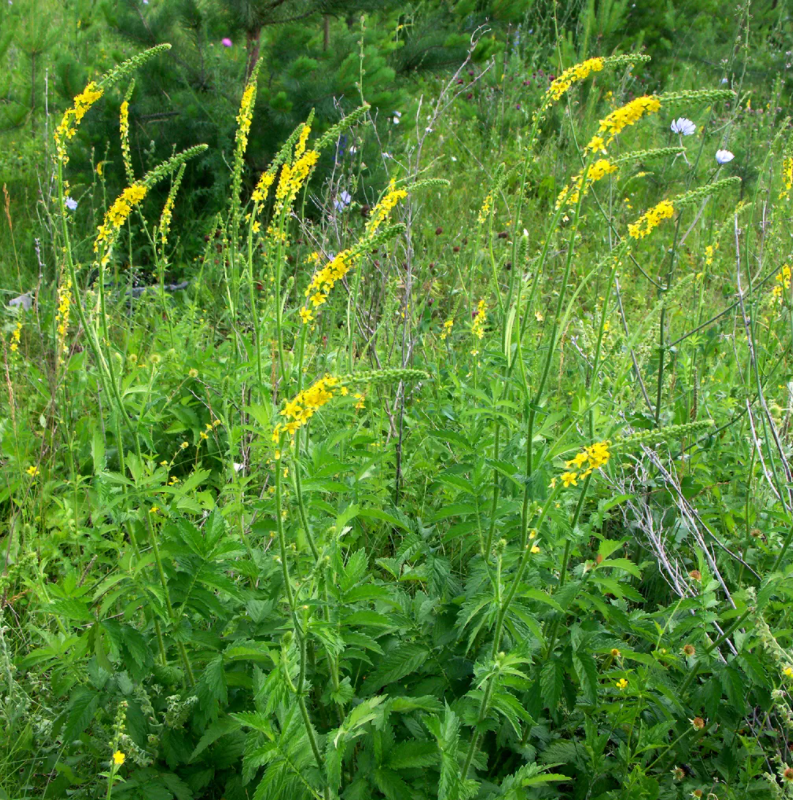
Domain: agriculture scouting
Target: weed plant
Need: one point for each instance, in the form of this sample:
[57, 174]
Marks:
[453, 490]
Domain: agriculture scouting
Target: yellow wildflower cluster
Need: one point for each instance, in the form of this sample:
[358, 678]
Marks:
[709, 252]
[590, 458]
[782, 283]
[165, 218]
[293, 177]
[263, 187]
[384, 207]
[478, 325]
[118, 213]
[787, 178]
[16, 336]
[62, 317]
[326, 278]
[361, 398]
[651, 219]
[124, 131]
[447, 328]
[302, 140]
[276, 234]
[484, 212]
[572, 193]
[72, 118]
[561, 85]
[323, 281]
[621, 118]
[300, 410]
[245, 117]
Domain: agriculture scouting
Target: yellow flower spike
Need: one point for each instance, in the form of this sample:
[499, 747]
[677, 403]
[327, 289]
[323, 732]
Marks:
[384, 208]
[572, 193]
[561, 85]
[651, 219]
[116, 216]
[72, 118]
[787, 178]
[478, 325]
[618, 120]
[16, 337]
[126, 151]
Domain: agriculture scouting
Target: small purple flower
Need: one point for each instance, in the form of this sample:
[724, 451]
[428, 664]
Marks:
[724, 156]
[71, 203]
[344, 199]
[226, 42]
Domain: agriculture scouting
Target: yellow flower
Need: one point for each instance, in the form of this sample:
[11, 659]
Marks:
[154, 510]
[72, 118]
[651, 219]
[570, 76]
[783, 282]
[484, 212]
[263, 187]
[16, 337]
[193, 373]
[620, 119]
[184, 445]
[126, 152]
[478, 325]
[300, 410]
[384, 207]
[571, 194]
[33, 471]
[569, 478]
[119, 758]
[535, 549]
[788, 671]
[204, 435]
[117, 215]
[787, 178]
[447, 328]
[306, 315]
[621, 684]
[615, 653]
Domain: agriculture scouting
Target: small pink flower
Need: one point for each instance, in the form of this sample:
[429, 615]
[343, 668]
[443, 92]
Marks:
[226, 42]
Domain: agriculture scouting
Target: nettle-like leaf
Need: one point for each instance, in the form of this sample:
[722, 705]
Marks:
[397, 664]
[446, 730]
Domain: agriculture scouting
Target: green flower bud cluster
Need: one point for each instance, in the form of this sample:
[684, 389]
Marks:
[662, 435]
[700, 193]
